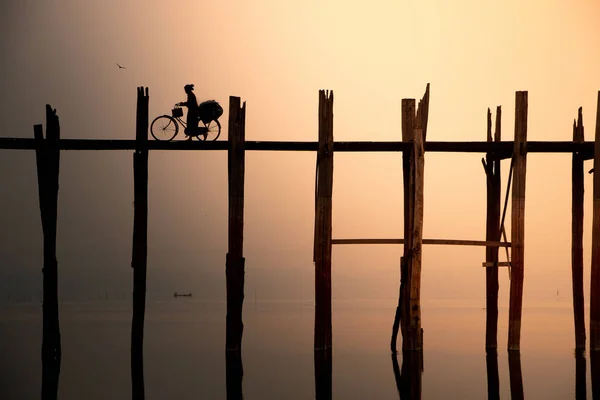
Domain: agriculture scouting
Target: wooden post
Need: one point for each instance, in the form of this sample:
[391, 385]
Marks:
[414, 337]
[493, 378]
[234, 372]
[322, 252]
[235, 263]
[518, 223]
[595, 275]
[408, 123]
[515, 375]
[48, 161]
[492, 170]
[577, 238]
[408, 311]
[140, 243]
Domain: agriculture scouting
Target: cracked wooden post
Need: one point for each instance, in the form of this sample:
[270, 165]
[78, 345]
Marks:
[595, 274]
[577, 235]
[48, 162]
[492, 170]
[518, 223]
[140, 244]
[322, 253]
[235, 263]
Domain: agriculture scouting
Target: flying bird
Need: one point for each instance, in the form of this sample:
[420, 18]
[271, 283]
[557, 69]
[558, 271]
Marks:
[120, 67]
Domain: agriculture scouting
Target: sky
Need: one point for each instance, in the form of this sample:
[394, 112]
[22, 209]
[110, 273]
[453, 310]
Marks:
[275, 56]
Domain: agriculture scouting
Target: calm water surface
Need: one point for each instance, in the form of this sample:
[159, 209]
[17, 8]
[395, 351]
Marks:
[185, 357]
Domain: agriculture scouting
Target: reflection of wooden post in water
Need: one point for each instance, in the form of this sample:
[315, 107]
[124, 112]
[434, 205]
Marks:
[516, 378]
[140, 244]
[493, 378]
[48, 161]
[577, 235]
[234, 268]
[323, 370]
[518, 223]
[322, 243]
[409, 379]
[580, 378]
[234, 375]
[492, 171]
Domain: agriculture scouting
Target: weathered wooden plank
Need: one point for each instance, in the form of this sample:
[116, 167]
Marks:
[577, 236]
[496, 264]
[140, 244]
[595, 273]
[492, 234]
[450, 242]
[518, 223]
[322, 338]
[502, 150]
[235, 269]
[48, 161]
[408, 122]
[423, 113]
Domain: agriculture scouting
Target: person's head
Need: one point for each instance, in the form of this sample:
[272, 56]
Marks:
[188, 88]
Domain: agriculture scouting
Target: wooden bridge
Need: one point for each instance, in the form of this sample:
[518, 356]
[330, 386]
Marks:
[413, 147]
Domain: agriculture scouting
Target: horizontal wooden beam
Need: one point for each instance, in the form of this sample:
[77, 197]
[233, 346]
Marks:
[502, 149]
[498, 264]
[450, 242]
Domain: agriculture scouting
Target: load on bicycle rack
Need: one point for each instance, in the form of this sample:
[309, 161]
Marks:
[166, 127]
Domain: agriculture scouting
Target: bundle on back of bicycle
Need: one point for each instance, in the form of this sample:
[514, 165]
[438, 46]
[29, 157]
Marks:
[201, 123]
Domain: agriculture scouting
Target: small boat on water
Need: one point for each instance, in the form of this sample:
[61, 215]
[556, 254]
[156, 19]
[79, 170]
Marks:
[182, 294]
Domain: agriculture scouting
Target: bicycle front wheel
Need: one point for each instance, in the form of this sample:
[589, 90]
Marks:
[164, 128]
[213, 131]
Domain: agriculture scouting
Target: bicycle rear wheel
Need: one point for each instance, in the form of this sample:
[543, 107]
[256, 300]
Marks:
[164, 128]
[214, 130]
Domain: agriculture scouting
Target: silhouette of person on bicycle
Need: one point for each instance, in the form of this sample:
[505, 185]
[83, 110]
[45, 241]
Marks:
[192, 115]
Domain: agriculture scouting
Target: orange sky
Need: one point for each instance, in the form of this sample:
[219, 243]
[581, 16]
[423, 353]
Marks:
[276, 56]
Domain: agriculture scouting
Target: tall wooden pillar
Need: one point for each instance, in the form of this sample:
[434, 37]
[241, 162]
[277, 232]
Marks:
[48, 161]
[518, 223]
[492, 171]
[322, 253]
[408, 311]
[140, 243]
[595, 275]
[234, 269]
[577, 236]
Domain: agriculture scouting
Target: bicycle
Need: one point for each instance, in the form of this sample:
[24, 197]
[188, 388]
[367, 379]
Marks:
[166, 127]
